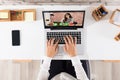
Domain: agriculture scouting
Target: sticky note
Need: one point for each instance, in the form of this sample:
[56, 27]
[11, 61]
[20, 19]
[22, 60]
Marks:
[4, 15]
[29, 16]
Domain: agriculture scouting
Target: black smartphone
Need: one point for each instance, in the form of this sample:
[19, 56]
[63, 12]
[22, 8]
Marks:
[15, 37]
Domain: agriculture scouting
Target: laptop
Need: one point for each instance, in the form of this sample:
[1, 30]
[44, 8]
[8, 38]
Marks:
[58, 24]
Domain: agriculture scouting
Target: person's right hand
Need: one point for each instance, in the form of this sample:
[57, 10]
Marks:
[70, 45]
[52, 48]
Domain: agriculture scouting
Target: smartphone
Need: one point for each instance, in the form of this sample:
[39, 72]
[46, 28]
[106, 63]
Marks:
[15, 37]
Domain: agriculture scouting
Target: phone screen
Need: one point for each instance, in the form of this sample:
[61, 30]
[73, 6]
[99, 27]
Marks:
[15, 37]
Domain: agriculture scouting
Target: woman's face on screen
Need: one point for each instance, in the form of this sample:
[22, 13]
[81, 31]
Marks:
[67, 16]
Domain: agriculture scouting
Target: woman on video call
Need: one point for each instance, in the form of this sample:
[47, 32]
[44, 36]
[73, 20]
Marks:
[61, 69]
[68, 18]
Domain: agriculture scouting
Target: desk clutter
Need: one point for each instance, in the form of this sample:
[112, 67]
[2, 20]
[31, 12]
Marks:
[117, 37]
[115, 18]
[18, 15]
[99, 13]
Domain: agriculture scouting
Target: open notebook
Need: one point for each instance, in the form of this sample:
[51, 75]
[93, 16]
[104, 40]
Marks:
[115, 18]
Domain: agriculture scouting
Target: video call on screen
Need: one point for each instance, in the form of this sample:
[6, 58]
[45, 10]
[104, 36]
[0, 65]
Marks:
[63, 19]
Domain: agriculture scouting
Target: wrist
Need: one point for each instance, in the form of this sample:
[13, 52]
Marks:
[73, 55]
[49, 55]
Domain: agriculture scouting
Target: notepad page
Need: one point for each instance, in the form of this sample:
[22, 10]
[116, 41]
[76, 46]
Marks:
[117, 18]
[29, 16]
[4, 15]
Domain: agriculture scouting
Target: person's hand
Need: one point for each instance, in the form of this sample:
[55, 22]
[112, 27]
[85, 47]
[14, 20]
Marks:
[70, 45]
[52, 48]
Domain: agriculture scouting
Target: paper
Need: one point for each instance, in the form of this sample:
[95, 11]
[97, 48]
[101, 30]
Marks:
[4, 15]
[29, 16]
[117, 18]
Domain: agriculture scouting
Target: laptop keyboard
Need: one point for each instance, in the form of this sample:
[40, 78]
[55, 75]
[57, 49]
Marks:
[60, 36]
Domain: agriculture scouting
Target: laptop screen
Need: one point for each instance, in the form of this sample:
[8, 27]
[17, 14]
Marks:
[63, 19]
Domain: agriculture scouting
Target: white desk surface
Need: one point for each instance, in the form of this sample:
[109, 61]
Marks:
[100, 35]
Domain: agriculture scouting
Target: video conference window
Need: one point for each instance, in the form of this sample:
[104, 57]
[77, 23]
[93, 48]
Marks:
[63, 19]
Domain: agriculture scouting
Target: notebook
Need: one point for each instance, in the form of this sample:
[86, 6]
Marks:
[4, 15]
[29, 16]
[115, 18]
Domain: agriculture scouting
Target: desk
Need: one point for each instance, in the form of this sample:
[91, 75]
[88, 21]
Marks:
[32, 42]
[100, 39]
[100, 36]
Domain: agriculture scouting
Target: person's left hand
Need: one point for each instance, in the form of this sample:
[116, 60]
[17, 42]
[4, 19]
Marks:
[52, 48]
